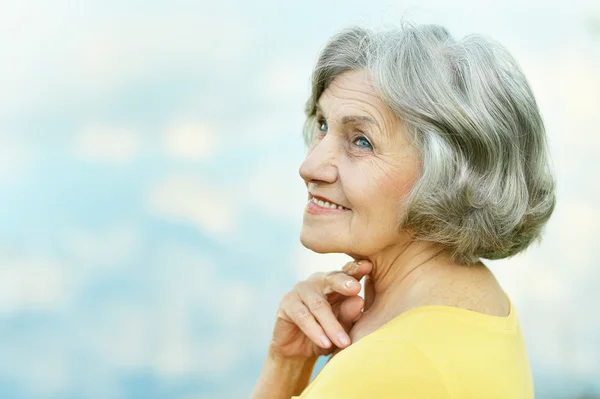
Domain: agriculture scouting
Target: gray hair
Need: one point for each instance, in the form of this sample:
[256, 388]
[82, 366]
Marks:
[486, 188]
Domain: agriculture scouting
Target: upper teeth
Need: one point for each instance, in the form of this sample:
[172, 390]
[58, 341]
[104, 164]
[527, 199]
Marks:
[326, 204]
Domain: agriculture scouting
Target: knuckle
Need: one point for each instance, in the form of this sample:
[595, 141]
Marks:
[298, 285]
[281, 314]
[285, 299]
[335, 273]
[318, 276]
[318, 304]
[348, 266]
[333, 276]
[302, 314]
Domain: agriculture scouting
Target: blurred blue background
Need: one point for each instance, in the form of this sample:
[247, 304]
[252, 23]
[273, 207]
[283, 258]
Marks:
[150, 201]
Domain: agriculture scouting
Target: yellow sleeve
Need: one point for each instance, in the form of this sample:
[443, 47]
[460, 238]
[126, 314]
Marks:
[378, 369]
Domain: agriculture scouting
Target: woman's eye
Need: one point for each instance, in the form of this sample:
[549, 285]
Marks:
[363, 142]
[322, 122]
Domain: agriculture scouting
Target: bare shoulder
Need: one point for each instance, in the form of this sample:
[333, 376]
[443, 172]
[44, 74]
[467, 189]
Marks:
[472, 288]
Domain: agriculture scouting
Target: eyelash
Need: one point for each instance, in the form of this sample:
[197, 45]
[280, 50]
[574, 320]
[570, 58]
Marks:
[321, 121]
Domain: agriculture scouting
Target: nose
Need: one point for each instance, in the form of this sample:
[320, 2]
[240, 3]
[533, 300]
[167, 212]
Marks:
[321, 162]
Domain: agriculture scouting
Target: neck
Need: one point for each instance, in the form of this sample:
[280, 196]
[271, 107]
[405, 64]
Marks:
[397, 267]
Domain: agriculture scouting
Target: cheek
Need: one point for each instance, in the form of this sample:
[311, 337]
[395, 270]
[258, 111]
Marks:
[380, 190]
[401, 186]
[360, 185]
[399, 178]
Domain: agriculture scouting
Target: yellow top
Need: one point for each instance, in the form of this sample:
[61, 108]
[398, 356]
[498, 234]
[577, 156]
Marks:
[431, 352]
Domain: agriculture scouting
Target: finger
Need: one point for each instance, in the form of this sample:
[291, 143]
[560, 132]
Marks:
[302, 316]
[350, 267]
[369, 292]
[340, 282]
[350, 311]
[321, 310]
[361, 269]
[355, 269]
[336, 285]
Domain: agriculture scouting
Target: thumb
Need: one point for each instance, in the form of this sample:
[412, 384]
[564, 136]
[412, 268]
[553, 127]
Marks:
[350, 311]
[369, 292]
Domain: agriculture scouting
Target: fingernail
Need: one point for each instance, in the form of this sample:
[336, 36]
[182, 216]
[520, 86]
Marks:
[343, 339]
[350, 284]
[325, 341]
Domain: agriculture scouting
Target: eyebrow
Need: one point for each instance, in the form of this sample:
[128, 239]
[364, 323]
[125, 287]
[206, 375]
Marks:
[356, 118]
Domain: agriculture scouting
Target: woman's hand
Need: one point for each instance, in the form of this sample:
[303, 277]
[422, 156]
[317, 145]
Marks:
[318, 313]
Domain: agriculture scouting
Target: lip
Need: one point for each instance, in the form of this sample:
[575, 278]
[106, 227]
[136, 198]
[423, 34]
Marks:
[312, 207]
[320, 197]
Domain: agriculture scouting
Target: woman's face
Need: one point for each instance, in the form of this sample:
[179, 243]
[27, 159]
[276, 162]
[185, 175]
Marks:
[361, 160]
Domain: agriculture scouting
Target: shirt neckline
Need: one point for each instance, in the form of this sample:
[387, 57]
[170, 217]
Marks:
[508, 322]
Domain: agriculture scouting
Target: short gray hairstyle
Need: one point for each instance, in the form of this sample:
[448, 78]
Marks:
[487, 188]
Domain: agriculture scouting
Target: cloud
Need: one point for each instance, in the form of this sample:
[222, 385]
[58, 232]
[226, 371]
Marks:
[121, 335]
[190, 200]
[33, 282]
[85, 63]
[578, 91]
[162, 337]
[218, 356]
[567, 91]
[236, 302]
[190, 140]
[179, 41]
[276, 189]
[572, 235]
[288, 78]
[15, 158]
[109, 248]
[176, 351]
[38, 362]
[107, 144]
[178, 354]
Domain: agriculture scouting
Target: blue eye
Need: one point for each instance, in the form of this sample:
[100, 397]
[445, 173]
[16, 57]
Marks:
[322, 122]
[364, 143]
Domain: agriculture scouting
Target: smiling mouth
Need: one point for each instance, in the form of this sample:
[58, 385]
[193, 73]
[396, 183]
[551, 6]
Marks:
[326, 204]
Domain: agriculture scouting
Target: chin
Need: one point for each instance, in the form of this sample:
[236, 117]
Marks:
[319, 243]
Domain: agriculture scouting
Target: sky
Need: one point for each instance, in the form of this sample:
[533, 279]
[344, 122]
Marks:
[151, 202]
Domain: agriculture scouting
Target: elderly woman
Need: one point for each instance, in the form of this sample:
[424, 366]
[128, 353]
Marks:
[426, 154]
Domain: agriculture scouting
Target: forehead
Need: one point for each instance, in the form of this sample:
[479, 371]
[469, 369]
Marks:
[352, 92]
